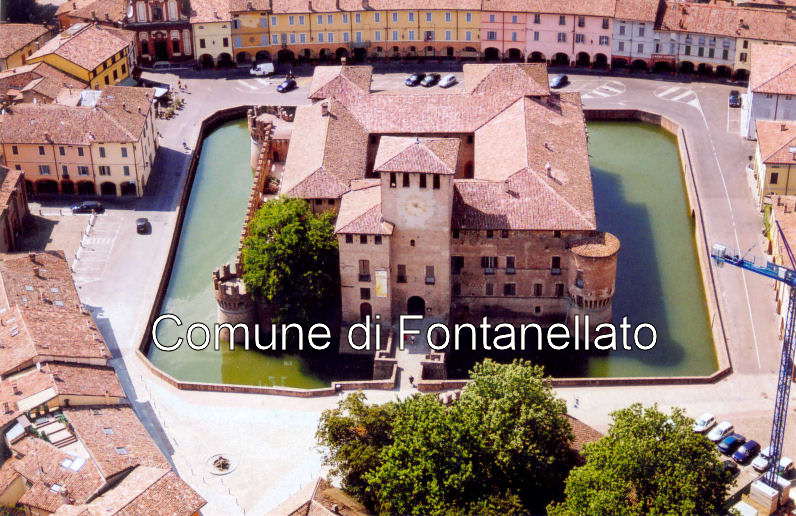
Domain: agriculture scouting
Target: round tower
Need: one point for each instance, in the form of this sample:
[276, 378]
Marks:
[235, 304]
[591, 279]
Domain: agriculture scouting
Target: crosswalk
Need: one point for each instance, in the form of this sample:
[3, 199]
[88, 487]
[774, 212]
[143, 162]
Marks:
[607, 89]
[678, 94]
[94, 253]
[256, 84]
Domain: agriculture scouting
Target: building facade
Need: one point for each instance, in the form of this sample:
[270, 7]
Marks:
[20, 40]
[162, 28]
[104, 146]
[771, 94]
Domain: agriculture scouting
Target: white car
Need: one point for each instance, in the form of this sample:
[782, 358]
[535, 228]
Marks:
[720, 431]
[785, 467]
[761, 461]
[704, 422]
[448, 81]
[262, 69]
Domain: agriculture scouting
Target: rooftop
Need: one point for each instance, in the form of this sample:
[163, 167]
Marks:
[118, 116]
[14, 36]
[777, 142]
[735, 22]
[86, 45]
[39, 78]
[773, 69]
[100, 10]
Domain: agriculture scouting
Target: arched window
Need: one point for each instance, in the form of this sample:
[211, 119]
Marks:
[141, 8]
[173, 10]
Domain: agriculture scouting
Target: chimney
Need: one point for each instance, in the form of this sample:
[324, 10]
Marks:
[325, 109]
[249, 6]
[783, 127]
[309, 5]
[16, 390]
[6, 408]
[548, 167]
[94, 15]
[32, 257]
[365, 4]
[506, 188]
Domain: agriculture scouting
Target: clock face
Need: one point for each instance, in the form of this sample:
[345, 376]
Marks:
[417, 209]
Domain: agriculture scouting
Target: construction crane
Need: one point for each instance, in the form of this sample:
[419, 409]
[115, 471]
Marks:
[787, 276]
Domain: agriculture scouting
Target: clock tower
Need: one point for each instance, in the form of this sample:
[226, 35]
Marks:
[417, 198]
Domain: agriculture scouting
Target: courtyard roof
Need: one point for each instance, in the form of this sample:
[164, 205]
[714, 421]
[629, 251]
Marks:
[86, 45]
[773, 69]
[777, 142]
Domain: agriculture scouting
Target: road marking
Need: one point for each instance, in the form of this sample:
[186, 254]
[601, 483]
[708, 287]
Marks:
[681, 96]
[600, 93]
[264, 82]
[611, 89]
[250, 86]
[667, 91]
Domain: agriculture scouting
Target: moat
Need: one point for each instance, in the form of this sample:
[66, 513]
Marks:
[639, 197]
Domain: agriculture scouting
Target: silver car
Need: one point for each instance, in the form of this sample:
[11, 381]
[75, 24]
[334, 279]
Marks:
[720, 431]
[448, 81]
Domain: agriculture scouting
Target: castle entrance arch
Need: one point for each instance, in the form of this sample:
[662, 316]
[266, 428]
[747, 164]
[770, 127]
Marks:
[416, 305]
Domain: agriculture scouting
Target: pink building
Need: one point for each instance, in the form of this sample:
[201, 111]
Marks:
[557, 31]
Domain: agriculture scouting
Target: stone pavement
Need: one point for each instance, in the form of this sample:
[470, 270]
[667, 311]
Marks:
[272, 438]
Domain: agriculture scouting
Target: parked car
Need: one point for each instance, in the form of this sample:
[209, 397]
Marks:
[262, 69]
[731, 443]
[448, 81]
[761, 462]
[88, 207]
[287, 85]
[142, 226]
[414, 79]
[747, 450]
[161, 65]
[430, 80]
[720, 431]
[704, 423]
[559, 81]
[735, 99]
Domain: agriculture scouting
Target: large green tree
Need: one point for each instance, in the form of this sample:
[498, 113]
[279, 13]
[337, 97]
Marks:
[649, 463]
[290, 259]
[503, 448]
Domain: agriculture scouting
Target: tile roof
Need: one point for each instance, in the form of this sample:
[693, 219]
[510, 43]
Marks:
[103, 430]
[145, 490]
[765, 24]
[773, 69]
[320, 498]
[243, 5]
[521, 133]
[14, 36]
[119, 116]
[100, 10]
[584, 434]
[589, 8]
[210, 11]
[37, 77]
[415, 154]
[335, 80]
[784, 214]
[86, 45]
[57, 478]
[638, 10]
[360, 211]
[777, 142]
[36, 280]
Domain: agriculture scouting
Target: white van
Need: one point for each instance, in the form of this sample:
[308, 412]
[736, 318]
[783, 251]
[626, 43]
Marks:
[262, 69]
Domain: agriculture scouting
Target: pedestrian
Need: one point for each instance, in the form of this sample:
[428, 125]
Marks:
[577, 402]
[412, 339]
[412, 381]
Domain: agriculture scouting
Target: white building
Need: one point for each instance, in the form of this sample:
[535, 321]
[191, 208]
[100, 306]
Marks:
[772, 87]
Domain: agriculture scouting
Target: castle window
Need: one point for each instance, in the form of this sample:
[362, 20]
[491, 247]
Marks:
[377, 239]
[504, 233]
[579, 300]
[774, 178]
[489, 264]
[363, 239]
[364, 270]
[457, 264]
[489, 289]
[510, 265]
[559, 289]
[422, 180]
[364, 293]
[401, 273]
[455, 233]
[411, 243]
[406, 181]
[556, 234]
[555, 265]
[509, 289]
[330, 202]
[430, 279]
[537, 309]
[490, 233]
[349, 238]
[537, 289]
[435, 182]
[392, 180]
[579, 279]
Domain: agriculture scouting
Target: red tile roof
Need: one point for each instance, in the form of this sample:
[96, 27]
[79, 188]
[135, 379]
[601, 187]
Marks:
[777, 142]
[210, 11]
[360, 212]
[86, 45]
[425, 155]
[99, 10]
[638, 10]
[14, 36]
[764, 24]
[589, 8]
[38, 77]
[331, 81]
[773, 69]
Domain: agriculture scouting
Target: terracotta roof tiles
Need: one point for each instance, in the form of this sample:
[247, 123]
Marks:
[86, 45]
[777, 142]
[14, 36]
[425, 155]
[766, 24]
[773, 69]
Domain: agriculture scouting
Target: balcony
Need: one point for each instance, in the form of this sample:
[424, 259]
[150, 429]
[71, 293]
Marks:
[430, 280]
[364, 277]
[555, 271]
[489, 270]
[511, 270]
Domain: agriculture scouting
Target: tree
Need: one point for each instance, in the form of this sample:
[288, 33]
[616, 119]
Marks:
[354, 434]
[650, 462]
[502, 449]
[29, 11]
[290, 259]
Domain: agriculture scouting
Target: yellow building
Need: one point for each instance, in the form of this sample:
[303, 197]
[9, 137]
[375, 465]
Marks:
[361, 29]
[775, 158]
[211, 22]
[93, 54]
[249, 28]
[18, 41]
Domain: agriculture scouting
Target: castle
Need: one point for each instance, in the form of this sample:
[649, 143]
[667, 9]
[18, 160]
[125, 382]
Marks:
[456, 205]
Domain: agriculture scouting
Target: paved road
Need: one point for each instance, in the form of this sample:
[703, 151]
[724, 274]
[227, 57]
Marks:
[272, 437]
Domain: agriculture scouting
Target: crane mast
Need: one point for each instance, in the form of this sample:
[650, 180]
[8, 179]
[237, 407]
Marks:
[788, 276]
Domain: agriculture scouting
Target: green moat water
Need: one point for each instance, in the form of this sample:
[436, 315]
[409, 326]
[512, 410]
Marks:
[639, 197]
